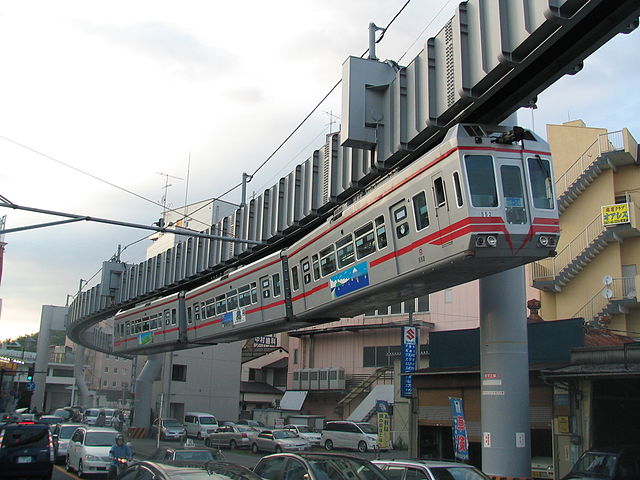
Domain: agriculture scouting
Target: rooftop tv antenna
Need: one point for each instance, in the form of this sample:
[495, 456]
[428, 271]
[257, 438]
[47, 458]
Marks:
[163, 200]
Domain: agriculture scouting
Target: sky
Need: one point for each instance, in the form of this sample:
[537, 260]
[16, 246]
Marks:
[127, 91]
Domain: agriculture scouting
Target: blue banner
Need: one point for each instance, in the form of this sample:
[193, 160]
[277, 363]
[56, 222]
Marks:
[350, 280]
[460, 441]
[409, 361]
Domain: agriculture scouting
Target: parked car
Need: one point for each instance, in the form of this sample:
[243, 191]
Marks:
[609, 463]
[170, 429]
[61, 434]
[199, 424]
[66, 413]
[353, 435]
[316, 466]
[26, 450]
[232, 436]
[304, 431]
[192, 457]
[278, 441]
[214, 471]
[88, 450]
[428, 469]
[253, 423]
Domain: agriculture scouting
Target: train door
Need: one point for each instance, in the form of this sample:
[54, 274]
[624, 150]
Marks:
[512, 191]
[403, 236]
[440, 203]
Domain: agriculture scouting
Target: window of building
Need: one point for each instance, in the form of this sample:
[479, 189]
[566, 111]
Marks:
[179, 373]
[448, 295]
[115, 369]
[380, 356]
[295, 356]
[104, 383]
[113, 384]
[106, 369]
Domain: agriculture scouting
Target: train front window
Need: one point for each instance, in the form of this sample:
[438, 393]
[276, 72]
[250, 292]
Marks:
[346, 255]
[420, 210]
[482, 180]
[541, 183]
[327, 260]
[513, 194]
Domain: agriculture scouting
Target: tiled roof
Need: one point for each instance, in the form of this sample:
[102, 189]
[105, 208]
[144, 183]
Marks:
[596, 337]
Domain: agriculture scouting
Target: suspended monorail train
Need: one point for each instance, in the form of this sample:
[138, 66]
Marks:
[480, 203]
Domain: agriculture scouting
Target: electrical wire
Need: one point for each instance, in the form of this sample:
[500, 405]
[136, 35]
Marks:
[447, 2]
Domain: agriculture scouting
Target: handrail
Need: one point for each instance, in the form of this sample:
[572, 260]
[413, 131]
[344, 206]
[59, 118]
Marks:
[606, 142]
[621, 288]
[550, 267]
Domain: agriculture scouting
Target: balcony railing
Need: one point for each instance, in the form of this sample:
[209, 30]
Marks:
[620, 289]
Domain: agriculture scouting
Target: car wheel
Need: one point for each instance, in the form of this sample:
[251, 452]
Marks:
[328, 445]
[362, 446]
[278, 449]
[80, 472]
[67, 464]
[207, 442]
[233, 445]
[254, 448]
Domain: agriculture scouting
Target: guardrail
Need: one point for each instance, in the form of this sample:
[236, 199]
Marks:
[620, 289]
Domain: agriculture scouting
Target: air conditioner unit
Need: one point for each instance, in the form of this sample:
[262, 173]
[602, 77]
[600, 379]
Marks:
[295, 385]
[323, 379]
[304, 379]
[336, 378]
[314, 374]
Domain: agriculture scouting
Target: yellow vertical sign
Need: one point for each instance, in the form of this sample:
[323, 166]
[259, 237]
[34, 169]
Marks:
[384, 430]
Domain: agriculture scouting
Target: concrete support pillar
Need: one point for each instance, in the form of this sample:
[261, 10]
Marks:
[144, 385]
[42, 360]
[504, 365]
[84, 398]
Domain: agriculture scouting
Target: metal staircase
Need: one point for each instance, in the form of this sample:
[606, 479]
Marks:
[618, 297]
[363, 387]
[609, 151]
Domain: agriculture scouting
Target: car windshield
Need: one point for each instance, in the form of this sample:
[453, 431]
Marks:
[368, 428]
[92, 413]
[203, 455]
[280, 434]
[457, 473]
[208, 421]
[601, 464]
[344, 469]
[109, 412]
[170, 422]
[100, 439]
[66, 431]
[62, 413]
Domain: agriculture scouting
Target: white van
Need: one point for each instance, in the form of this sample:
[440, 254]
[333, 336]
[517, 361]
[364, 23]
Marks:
[199, 424]
[345, 434]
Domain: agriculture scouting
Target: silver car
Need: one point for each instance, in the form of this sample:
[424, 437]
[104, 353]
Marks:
[232, 436]
[170, 429]
[428, 469]
[304, 431]
[281, 440]
[61, 435]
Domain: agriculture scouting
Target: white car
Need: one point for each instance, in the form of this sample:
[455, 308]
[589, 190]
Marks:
[305, 432]
[61, 435]
[88, 450]
[352, 435]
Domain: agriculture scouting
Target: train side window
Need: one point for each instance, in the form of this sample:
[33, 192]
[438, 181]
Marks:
[203, 311]
[439, 193]
[189, 315]
[266, 289]
[221, 304]
[127, 328]
[254, 292]
[196, 311]
[402, 227]
[541, 183]
[482, 180]
[232, 300]
[346, 253]
[458, 189]
[294, 277]
[145, 324]
[381, 233]
[244, 296]
[365, 241]
[327, 260]
[306, 271]
[420, 211]
[167, 317]
[211, 308]
[276, 284]
[316, 266]
[153, 323]
[174, 316]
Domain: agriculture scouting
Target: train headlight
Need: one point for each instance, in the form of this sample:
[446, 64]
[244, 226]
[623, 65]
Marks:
[547, 240]
[486, 241]
[492, 241]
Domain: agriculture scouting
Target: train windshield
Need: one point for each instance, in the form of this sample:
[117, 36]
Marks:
[482, 180]
[541, 182]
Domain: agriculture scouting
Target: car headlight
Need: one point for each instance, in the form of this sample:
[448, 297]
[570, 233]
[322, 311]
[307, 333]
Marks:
[92, 458]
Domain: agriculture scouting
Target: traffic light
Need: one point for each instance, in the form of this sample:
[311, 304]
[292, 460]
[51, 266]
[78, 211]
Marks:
[30, 374]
